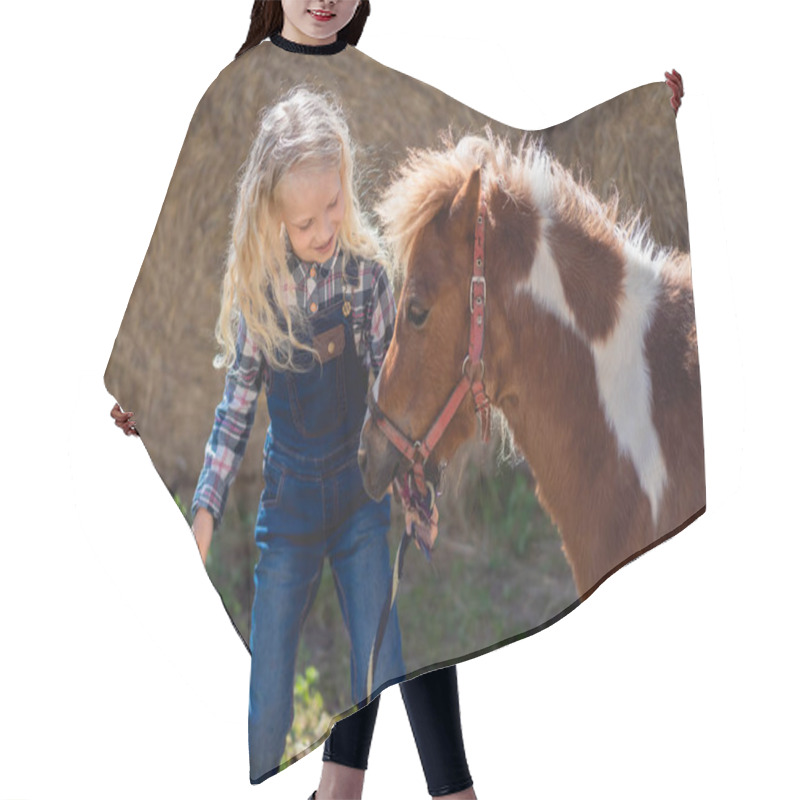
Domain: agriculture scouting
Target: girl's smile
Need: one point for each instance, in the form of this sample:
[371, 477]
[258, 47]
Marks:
[316, 22]
[327, 246]
[311, 203]
[322, 16]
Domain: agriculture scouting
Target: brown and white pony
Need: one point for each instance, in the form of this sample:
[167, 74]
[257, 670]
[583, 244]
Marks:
[590, 347]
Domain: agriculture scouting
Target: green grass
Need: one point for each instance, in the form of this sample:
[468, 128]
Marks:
[311, 720]
[497, 579]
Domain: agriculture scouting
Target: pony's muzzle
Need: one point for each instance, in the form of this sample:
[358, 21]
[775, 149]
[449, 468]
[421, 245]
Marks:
[378, 460]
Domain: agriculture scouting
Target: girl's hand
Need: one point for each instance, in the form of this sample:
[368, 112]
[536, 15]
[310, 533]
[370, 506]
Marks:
[124, 420]
[203, 530]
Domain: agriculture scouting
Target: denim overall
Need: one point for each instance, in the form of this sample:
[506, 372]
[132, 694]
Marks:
[313, 506]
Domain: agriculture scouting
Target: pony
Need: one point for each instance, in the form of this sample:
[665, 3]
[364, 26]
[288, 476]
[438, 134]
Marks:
[589, 346]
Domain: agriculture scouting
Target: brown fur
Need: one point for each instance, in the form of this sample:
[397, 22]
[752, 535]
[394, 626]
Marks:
[677, 409]
[591, 266]
[539, 372]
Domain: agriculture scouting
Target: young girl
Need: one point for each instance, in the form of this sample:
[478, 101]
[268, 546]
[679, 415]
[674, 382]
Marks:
[307, 312]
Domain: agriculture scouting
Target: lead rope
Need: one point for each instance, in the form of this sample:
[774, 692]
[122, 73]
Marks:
[422, 506]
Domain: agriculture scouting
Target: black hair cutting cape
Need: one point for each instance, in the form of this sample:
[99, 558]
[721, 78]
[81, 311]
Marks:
[590, 358]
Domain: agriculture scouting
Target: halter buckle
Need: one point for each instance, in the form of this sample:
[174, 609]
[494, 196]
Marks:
[476, 279]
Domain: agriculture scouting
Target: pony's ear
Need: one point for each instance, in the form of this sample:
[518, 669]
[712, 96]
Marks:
[464, 209]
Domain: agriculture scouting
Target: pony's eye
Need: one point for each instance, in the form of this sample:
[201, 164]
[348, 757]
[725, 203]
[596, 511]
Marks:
[416, 315]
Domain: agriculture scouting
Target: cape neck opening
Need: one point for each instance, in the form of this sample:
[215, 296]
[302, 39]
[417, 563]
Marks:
[309, 49]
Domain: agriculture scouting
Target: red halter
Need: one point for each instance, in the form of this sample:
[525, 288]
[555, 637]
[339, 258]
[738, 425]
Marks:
[419, 451]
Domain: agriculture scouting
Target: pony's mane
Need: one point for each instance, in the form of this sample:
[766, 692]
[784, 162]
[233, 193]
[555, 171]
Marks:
[429, 179]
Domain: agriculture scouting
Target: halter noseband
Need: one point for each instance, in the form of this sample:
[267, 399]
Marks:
[418, 452]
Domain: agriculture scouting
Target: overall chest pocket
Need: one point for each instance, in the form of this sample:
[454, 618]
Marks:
[318, 397]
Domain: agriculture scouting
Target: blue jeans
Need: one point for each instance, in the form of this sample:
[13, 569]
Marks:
[300, 524]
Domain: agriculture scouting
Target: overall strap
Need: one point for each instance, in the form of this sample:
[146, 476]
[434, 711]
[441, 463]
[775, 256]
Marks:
[351, 276]
[351, 281]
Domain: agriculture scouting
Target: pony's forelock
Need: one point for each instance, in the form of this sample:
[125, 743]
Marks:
[429, 179]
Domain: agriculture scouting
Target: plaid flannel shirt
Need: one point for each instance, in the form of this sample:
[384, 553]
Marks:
[316, 286]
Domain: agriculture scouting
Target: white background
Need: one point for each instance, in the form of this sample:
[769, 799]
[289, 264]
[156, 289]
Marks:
[120, 674]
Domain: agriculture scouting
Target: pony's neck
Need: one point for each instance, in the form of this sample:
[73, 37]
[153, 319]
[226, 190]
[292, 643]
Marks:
[548, 394]
[578, 317]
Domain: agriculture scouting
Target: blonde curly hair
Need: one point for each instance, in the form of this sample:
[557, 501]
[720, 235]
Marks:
[303, 130]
